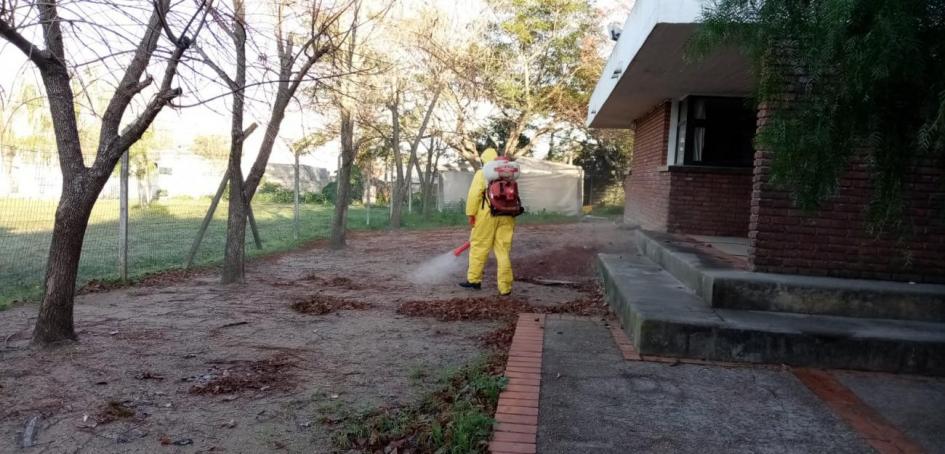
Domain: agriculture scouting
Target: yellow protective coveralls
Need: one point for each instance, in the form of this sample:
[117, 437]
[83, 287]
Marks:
[489, 233]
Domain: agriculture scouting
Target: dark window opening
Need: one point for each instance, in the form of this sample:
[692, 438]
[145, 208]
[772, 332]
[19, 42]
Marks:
[715, 131]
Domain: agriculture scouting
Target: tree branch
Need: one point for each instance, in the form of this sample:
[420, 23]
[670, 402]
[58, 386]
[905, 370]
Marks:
[230, 83]
[111, 119]
[39, 57]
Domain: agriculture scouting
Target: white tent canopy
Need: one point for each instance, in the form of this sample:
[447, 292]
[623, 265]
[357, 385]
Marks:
[544, 186]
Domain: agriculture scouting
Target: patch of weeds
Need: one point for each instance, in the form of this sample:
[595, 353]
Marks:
[323, 304]
[455, 418]
[419, 374]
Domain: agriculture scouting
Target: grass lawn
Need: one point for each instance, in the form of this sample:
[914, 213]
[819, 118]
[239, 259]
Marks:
[161, 235]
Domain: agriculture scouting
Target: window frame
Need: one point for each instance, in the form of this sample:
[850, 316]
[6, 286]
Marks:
[686, 125]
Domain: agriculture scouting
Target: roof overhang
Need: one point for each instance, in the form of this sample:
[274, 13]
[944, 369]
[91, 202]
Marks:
[650, 64]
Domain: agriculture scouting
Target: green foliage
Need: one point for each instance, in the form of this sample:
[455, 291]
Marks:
[330, 191]
[543, 38]
[496, 134]
[211, 146]
[867, 78]
[455, 418]
[28, 107]
[544, 66]
[605, 157]
[270, 192]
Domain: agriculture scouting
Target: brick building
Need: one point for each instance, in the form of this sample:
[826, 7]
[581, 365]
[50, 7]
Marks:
[695, 171]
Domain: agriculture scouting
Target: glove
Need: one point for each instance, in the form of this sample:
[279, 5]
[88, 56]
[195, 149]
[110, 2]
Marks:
[472, 221]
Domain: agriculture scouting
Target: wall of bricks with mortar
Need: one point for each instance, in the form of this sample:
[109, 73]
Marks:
[647, 186]
[710, 201]
[836, 239]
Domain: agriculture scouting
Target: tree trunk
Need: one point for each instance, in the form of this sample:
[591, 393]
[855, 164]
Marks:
[295, 199]
[340, 220]
[55, 321]
[9, 155]
[397, 188]
[408, 182]
[81, 184]
[426, 180]
[234, 253]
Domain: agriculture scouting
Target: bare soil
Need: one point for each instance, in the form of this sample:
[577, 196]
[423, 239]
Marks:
[180, 363]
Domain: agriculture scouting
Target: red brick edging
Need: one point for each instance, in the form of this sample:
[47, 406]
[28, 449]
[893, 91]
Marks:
[516, 416]
[884, 437]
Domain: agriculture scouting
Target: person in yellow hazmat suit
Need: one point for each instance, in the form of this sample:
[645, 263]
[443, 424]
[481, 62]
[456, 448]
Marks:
[489, 233]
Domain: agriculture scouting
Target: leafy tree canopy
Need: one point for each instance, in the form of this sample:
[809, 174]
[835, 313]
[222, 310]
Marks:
[540, 62]
[866, 76]
[211, 146]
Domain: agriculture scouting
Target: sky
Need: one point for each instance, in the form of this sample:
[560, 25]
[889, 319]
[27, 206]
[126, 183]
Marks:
[182, 125]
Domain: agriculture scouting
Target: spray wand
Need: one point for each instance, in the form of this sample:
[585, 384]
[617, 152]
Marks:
[458, 251]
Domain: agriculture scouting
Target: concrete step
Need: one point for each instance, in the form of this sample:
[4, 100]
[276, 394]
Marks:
[724, 287]
[663, 317]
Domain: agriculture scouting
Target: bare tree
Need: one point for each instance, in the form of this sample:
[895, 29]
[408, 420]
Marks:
[296, 60]
[82, 184]
[428, 175]
[233, 265]
[348, 148]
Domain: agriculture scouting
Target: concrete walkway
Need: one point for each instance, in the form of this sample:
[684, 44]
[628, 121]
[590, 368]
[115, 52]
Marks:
[593, 400]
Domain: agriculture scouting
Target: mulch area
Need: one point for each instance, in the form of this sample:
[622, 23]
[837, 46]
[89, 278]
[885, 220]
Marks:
[591, 303]
[319, 304]
[462, 309]
[569, 263]
[242, 376]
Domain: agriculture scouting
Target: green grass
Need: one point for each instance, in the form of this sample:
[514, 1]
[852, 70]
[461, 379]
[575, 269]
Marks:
[161, 235]
[456, 418]
[607, 210]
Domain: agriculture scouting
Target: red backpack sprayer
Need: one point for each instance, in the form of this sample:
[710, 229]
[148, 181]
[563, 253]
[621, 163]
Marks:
[501, 195]
[501, 192]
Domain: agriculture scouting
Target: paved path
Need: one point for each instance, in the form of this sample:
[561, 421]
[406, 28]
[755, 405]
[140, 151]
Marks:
[593, 400]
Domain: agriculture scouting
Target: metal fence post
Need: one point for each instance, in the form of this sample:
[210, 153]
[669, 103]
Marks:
[123, 218]
[295, 218]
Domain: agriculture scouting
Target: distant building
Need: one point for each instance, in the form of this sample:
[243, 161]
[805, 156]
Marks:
[171, 173]
[545, 185]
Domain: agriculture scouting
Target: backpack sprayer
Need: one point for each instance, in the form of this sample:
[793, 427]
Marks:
[501, 192]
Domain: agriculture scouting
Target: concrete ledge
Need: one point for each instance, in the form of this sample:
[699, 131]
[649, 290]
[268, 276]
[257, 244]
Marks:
[664, 318]
[723, 287]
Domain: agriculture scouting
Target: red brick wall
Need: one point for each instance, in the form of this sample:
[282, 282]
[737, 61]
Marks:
[710, 200]
[647, 186]
[835, 241]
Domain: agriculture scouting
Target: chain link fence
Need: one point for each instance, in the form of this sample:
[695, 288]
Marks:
[169, 195]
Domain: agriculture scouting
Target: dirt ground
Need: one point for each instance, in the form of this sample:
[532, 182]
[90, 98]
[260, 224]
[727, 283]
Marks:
[188, 365]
